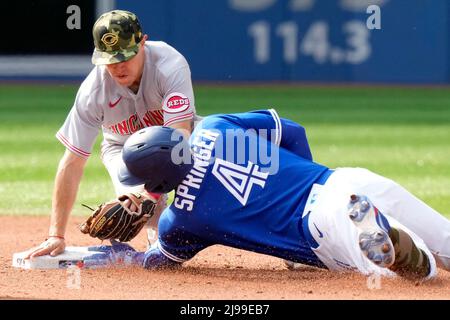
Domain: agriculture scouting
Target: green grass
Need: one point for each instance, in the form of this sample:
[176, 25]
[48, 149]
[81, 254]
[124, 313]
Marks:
[402, 133]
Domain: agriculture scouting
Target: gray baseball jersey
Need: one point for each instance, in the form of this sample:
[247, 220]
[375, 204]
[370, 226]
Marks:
[165, 97]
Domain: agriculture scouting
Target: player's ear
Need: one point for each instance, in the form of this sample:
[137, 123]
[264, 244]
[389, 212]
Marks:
[144, 38]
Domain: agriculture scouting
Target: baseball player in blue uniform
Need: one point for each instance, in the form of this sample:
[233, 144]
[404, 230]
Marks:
[248, 181]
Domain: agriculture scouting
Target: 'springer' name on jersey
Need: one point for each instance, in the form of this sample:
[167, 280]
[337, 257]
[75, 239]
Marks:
[202, 148]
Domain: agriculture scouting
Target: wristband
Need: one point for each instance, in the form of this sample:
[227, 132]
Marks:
[60, 237]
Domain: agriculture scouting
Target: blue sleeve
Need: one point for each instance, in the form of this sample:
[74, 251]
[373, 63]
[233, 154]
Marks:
[164, 256]
[154, 258]
[174, 245]
[283, 132]
[294, 139]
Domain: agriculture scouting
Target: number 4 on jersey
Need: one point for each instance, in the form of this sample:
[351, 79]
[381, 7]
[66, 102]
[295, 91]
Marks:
[239, 180]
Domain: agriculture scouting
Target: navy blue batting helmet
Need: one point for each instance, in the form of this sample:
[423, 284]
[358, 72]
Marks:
[158, 157]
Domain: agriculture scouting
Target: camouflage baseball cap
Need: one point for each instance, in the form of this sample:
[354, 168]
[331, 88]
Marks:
[117, 35]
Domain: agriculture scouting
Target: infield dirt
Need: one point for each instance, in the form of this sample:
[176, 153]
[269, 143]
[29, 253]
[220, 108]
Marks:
[216, 273]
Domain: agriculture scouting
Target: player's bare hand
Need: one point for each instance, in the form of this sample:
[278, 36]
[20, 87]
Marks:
[130, 205]
[52, 246]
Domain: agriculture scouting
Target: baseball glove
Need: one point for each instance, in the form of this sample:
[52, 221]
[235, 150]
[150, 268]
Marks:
[112, 220]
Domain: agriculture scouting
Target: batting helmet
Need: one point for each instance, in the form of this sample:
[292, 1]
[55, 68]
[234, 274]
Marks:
[158, 157]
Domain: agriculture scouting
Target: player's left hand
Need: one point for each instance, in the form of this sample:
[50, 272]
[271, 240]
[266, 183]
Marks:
[127, 203]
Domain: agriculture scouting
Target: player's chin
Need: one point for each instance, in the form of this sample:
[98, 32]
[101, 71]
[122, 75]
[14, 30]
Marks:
[124, 80]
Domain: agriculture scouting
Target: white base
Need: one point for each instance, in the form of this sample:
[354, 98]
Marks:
[72, 256]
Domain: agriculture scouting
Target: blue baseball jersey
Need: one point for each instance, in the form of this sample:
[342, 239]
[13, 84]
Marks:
[248, 187]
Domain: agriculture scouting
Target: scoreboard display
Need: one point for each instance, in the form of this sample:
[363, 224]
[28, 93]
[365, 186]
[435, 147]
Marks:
[304, 40]
[384, 41]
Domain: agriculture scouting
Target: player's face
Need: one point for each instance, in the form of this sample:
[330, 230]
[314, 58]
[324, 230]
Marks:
[129, 72]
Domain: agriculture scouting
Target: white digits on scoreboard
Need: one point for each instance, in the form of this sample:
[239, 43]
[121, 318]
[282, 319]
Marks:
[260, 31]
[288, 31]
[358, 40]
[315, 43]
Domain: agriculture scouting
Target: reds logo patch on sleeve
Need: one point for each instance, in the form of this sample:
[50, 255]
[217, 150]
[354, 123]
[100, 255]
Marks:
[176, 103]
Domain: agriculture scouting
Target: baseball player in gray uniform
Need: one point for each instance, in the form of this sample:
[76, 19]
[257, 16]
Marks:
[135, 84]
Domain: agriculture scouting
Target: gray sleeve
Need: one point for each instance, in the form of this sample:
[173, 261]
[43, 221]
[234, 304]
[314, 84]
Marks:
[178, 102]
[81, 127]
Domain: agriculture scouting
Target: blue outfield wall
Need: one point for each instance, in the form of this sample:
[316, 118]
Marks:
[303, 40]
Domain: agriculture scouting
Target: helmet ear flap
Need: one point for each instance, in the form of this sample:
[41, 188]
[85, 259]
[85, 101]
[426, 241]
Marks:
[149, 187]
[160, 188]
